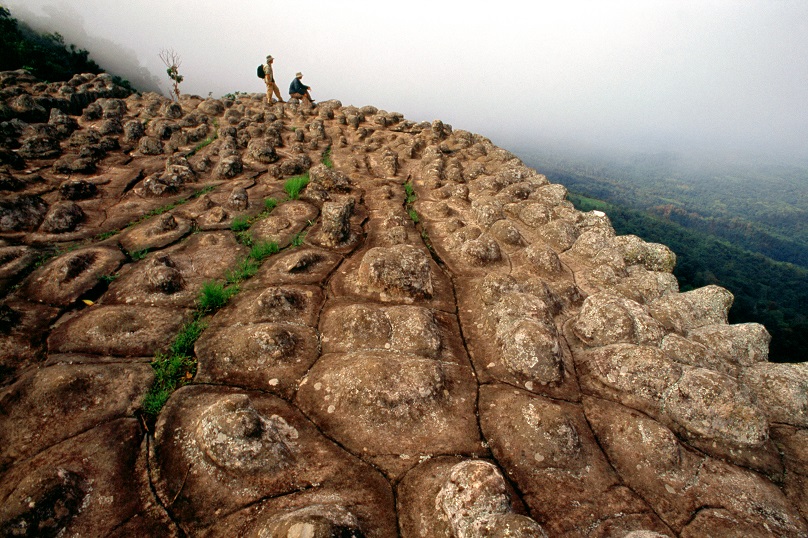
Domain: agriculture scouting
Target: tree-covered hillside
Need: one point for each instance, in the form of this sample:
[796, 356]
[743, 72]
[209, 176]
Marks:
[46, 56]
[768, 292]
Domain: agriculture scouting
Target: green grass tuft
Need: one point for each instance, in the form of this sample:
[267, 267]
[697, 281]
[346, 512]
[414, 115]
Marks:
[214, 295]
[270, 204]
[410, 192]
[138, 254]
[297, 240]
[414, 215]
[264, 249]
[294, 185]
[245, 269]
[240, 223]
[170, 372]
[184, 342]
[327, 158]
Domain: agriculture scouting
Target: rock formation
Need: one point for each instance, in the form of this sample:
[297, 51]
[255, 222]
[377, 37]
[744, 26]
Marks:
[436, 344]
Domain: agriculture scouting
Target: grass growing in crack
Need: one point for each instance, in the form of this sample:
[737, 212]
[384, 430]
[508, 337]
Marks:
[410, 192]
[213, 296]
[297, 240]
[106, 235]
[413, 215]
[183, 344]
[240, 223]
[245, 269]
[170, 373]
[138, 254]
[264, 249]
[245, 238]
[270, 204]
[107, 279]
[327, 158]
[294, 185]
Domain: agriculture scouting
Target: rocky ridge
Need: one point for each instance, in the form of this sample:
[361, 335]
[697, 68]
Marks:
[441, 346]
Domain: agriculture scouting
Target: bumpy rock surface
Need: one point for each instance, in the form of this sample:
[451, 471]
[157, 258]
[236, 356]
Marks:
[438, 344]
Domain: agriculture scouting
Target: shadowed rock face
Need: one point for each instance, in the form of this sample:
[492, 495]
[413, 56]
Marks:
[429, 342]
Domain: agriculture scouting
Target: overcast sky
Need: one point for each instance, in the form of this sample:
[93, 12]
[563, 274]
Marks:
[650, 74]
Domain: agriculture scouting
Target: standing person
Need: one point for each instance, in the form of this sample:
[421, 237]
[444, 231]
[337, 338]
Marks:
[298, 90]
[269, 80]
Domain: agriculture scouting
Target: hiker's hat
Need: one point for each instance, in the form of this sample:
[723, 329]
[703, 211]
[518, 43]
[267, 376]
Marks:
[269, 57]
[298, 74]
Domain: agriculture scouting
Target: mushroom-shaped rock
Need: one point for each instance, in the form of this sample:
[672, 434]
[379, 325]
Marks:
[397, 272]
[610, 319]
[682, 312]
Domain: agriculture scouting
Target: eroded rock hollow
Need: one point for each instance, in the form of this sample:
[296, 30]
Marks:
[422, 339]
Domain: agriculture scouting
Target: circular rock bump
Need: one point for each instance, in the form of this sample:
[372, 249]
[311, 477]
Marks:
[741, 344]
[606, 318]
[271, 304]
[686, 351]
[706, 408]
[678, 482]
[644, 287]
[550, 194]
[540, 258]
[329, 179]
[487, 210]
[39, 410]
[415, 330]
[534, 214]
[640, 377]
[118, 330]
[456, 193]
[335, 229]
[62, 217]
[401, 273]
[21, 212]
[77, 189]
[780, 390]
[559, 234]
[548, 450]
[652, 256]
[356, 327]
[13, 261]
[23, 326]
[482, 251]
[709, 405]
[682, 312]
[421, 490]
[596, 243]
[238, 199]
[85, 486]
[218, 450]
[265, 356]
[392, 409]
[506, 233]
[474, 500]
[232, 435]
[65, 279]
[155, 233]
[175, 276]
[316, 521]
[531, 351]
[305, 265]
[285, 221]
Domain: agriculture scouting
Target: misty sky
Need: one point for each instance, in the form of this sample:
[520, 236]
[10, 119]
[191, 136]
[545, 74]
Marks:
[650, 74]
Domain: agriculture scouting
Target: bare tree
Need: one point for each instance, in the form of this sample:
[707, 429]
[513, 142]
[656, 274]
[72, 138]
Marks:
[173, 62]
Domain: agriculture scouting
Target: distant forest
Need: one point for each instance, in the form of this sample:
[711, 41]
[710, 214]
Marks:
[46, 56]
[766, 291]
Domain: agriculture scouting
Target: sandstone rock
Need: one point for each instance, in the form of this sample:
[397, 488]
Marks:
[21, 212]
[62, 217]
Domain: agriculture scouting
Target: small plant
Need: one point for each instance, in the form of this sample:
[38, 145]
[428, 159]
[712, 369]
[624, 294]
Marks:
[270, 204]
[106, 235]
[263, 250]
[183, 344]
[213, 296]
[413, 215]
[327, 158]
[245, 269]
[410, 192]
[297, 240]
[139, 254]
[173, 62]
[294, 185]
[107, 279]
[240, 223]
[170, 373]
[245, 238]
